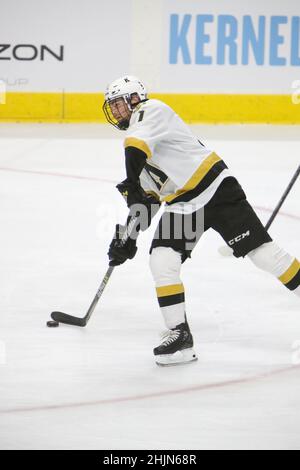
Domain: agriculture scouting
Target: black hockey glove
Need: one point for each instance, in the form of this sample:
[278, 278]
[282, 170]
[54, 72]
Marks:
[140, 203]
[118, 252]
[133, 193]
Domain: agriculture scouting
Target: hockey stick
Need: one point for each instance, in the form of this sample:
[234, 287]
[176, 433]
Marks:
[77, 321]
[227, 251]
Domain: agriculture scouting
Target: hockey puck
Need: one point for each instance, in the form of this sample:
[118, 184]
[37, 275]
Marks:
[52, 324]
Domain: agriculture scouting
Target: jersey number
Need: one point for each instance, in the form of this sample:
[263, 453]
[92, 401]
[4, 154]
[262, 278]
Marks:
[141, 115]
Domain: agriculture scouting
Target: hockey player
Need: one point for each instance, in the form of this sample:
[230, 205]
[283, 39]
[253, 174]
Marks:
[166, 163]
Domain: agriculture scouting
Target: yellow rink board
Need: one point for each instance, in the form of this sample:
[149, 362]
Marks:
[193, 108]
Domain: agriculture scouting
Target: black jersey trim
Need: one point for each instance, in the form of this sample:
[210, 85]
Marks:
[205, 182]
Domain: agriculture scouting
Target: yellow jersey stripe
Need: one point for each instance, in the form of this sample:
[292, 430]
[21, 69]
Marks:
[196, 178]
[139, 144]
[152, 193]
[169, 290]
[290, 272]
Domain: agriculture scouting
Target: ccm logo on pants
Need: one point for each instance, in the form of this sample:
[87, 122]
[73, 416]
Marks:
[239, 238]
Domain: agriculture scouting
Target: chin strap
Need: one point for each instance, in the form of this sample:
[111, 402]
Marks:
[123, 125]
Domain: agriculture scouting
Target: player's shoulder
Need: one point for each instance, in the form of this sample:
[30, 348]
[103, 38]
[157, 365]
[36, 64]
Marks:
[152, 103]
[151, 107]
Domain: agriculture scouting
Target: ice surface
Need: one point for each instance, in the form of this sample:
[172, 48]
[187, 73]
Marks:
[98, 387]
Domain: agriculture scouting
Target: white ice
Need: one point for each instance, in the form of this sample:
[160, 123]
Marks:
[98, 387]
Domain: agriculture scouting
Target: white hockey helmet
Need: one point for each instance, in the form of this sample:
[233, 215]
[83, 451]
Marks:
[128, 90]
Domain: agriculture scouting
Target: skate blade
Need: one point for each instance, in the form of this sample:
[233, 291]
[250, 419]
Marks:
[180, 357]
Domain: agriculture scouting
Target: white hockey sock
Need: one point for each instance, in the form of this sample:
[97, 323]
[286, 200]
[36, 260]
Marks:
[165, 264]
[273, 259]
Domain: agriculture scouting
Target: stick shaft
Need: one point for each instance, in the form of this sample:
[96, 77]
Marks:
[99, 293]
[78, 321]
[283, 198]
[126, 235]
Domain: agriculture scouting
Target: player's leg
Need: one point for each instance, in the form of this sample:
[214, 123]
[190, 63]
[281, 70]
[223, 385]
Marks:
[177, 343]
[275, 260]
[165, 265]
[234, 218]
[167, 254]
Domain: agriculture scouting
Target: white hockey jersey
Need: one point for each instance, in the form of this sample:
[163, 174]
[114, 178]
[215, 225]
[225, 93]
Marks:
[179, 170]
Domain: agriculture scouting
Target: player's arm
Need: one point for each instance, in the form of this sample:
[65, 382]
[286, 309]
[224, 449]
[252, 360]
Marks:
[138, 148]
[135, 160]
[136, 197]
[130, 188]
[141, 204]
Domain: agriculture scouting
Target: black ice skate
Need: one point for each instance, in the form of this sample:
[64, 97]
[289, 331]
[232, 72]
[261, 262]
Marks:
[176, 347]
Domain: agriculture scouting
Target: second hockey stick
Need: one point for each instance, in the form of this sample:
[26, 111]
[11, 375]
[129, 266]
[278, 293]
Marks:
[61, 317]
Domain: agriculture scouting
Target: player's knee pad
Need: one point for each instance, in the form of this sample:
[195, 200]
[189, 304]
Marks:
[271, 258]
[165, 264]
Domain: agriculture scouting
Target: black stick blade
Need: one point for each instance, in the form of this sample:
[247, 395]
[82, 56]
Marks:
[68, 319]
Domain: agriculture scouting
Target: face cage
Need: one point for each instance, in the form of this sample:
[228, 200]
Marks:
[123, 123]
